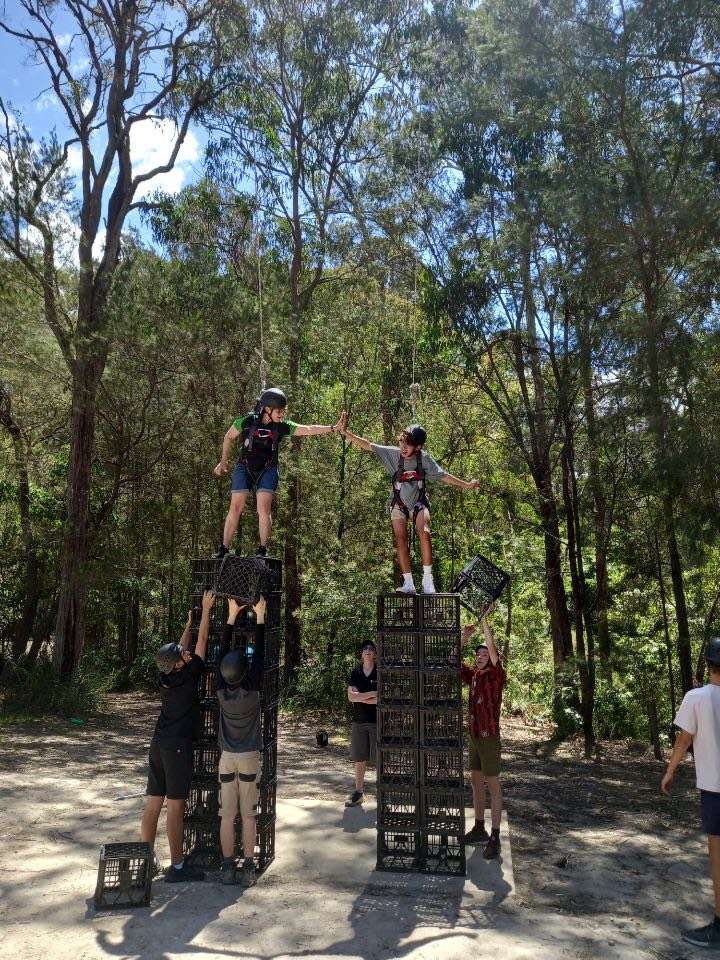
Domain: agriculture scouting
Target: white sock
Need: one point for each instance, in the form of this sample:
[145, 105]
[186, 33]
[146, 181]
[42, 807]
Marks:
[427, 571]
[179, 866]
[407, 580]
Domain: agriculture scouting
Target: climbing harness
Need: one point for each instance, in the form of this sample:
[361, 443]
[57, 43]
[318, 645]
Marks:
[410, 476]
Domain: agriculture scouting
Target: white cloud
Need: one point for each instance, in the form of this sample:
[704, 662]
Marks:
[46, 101]
[74, 160]
[151, 143]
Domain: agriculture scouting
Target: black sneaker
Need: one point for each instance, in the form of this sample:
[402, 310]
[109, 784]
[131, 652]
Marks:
[185, 874]
[221, 551]
[492, 847]
[227, 871]
[261, 551]
[356, 798]
[478, 834]
[247, 873]
[708, 937]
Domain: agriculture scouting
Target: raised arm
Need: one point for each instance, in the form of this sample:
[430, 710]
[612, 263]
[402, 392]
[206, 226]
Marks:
[207, 604]
[185, 638]
[318, 429]
[357, 441]
[489, 638]
[229, 439]
[457, 482]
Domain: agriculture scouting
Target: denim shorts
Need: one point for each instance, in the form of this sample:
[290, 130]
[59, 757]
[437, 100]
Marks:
[243, 480]
[710, 812]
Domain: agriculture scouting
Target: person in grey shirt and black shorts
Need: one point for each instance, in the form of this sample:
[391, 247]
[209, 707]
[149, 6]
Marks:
[362, 694]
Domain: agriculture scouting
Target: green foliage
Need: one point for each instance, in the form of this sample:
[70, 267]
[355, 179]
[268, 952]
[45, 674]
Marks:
[31, 690]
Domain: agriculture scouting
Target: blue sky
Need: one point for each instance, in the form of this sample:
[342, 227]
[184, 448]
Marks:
[25, 88]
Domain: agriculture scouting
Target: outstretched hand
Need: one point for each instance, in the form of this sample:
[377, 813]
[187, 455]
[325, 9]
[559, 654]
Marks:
[468, 632]
[341, 425]
[234, 609]
[208, 600]
[473, 485]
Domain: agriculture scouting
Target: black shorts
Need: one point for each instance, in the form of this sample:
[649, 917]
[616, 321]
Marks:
[169, 770]
[710, 812]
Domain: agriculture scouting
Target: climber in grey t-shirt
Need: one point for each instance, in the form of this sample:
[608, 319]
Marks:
[411, 468]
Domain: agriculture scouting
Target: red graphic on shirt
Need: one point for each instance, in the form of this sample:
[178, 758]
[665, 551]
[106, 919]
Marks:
[485, 700]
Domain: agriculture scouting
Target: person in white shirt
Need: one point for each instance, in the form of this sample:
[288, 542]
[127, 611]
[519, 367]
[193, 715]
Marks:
[699, 721]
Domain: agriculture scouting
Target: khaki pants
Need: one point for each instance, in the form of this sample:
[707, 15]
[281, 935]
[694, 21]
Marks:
[238, 774]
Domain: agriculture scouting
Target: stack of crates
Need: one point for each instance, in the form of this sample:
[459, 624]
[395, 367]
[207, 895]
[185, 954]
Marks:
[201, 833]
[421, 803]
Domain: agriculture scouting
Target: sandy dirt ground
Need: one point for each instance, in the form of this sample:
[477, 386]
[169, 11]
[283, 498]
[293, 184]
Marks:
[596, 863]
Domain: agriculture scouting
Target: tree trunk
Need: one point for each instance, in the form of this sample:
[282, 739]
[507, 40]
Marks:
[681, 617]
[70, 621]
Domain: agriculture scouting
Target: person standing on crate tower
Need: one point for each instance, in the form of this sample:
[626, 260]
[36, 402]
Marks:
[240, 740]
[362, 694]
[486, 681]
[261, 433]
[170, 761]
[411, 468]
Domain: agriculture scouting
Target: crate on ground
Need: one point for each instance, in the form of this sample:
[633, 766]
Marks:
[442, 811]
[207, 687]
[203, 574]
[203, 801]
[124, 875]
[441, 769]
[398, 726]
[398, 808]
[439, 650]
[441, 727]
[201, 843]
[443, 853]
[243, 578]
[439, 611]
[270, 688]
[209, 720]
[268, 763]
[397, 611]
[397, 766]
[269, 722]
[440, 688]
[206, 757]
[479, 584]
[398, 686]
[398, 649]
[398, 850]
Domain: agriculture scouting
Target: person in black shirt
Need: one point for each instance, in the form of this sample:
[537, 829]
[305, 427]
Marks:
[240, 740]
[170, 761]
[362, 694]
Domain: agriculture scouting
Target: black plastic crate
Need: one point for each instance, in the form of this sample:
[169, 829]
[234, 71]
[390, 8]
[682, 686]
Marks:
[204, 799]
[269, 725]
[270, 689]
[201, 842]
[124, 875]
[398, 850]
[480, 583]
[441, 727]
[217, 619]
[243, 578]
[209, 720]
[442, 811]
[441, 688]
[439, 611]
[273, 647]
[274, 573]
[264, 851]
[398, 686]
[439, 649]
[398, 649]
[268, 763]
[273, 611]
[267, 804]
[203, 573]
[208, 683]
[398, 726]
[397, 766]
[441, 769]
[206, 757]
[397, 611]
[398, 808]
[443, 853]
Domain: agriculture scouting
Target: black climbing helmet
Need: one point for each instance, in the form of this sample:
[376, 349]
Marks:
[273, 398]
[167, 656]
[712, 651]
[234, 667]
[417, 434]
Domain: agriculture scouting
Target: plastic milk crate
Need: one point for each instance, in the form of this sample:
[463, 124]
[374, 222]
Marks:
[398, 686]
[397, 767]
[441, 688]
[398, 726]
[398, 808]
[398, 649]
[398, 850]
[124, 875]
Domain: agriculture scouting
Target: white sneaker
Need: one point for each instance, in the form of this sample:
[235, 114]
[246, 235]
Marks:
[406, 588]
[428, 585]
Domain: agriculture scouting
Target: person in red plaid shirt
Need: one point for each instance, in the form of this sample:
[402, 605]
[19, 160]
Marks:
[486, 681]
